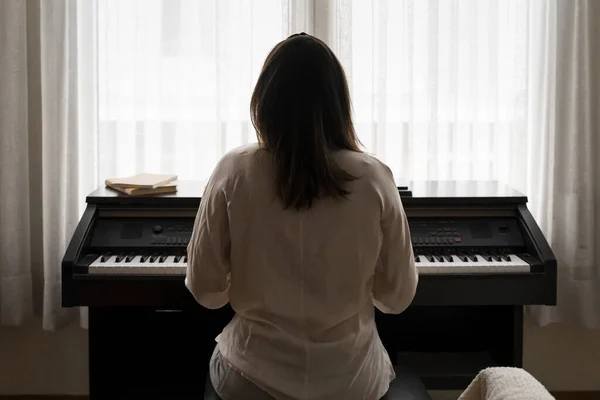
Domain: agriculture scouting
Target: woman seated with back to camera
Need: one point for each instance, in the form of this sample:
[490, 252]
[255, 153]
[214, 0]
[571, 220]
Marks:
[302, 234]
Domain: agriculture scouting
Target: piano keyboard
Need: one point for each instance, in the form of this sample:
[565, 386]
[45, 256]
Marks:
[139, 265]
[426, 264]
[471, 264]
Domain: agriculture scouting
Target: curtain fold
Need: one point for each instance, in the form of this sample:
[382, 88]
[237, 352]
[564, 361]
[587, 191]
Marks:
[16, 300]
[463, 89]
[60, 145]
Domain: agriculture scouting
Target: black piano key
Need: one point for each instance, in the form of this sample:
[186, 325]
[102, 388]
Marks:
[505, 257]
[448, 258]
[439, 258]
[177, 258]
[143, 258]
[120, 258]
[486, 255]
[153, 258]
[162, 258]
[105, 257]
[185, 259]
[472, 257]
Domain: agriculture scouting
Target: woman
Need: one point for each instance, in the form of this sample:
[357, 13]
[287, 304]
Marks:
[302, 234]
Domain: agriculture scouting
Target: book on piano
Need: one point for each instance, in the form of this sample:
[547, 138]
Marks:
[144, 184]
[165, 189]
[141, 181]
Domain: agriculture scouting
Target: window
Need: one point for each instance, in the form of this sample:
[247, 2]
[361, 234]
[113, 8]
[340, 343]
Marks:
[440, 89]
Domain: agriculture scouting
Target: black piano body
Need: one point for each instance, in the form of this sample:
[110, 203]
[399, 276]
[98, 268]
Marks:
[480, 254]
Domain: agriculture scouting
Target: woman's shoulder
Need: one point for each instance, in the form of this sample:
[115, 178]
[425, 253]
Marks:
[365, 165]
[240, 152]
[236, 158]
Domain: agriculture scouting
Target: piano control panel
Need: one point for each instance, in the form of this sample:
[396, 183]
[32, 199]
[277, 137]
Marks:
[157, 246]
[472, 232]
[142, 232]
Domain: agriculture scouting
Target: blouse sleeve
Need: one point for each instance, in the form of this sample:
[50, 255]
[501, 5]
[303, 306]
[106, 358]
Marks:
[208, 268]
[396, 276]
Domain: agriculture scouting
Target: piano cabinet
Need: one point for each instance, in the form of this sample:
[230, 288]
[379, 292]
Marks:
[137, 352]
[481, 259]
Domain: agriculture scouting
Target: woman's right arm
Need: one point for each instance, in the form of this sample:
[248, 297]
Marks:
[396, 276]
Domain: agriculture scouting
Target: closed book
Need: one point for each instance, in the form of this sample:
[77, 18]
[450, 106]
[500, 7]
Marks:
[168, 188]
[145, 181]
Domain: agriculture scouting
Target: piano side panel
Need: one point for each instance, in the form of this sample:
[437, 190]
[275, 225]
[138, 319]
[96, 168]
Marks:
[537, 241]
[72, 253]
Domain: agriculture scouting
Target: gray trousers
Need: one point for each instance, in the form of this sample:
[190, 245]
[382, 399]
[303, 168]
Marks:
[231, 385]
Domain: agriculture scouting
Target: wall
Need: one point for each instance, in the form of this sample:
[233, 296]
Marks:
[35, 362]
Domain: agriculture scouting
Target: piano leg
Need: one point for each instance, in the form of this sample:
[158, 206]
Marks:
[146, 353]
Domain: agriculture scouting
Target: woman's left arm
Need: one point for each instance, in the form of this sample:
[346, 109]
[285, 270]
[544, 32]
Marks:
[208, 268]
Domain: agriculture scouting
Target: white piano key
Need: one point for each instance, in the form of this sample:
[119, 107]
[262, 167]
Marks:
[136, 267]
[171, 267]
[480, 266]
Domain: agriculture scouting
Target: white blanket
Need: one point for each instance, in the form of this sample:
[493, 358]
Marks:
[505, 383]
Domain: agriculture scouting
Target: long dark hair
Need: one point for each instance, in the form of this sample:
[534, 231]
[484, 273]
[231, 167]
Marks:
[301, 111]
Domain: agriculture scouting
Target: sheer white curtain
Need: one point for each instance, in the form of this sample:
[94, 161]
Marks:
[175, 79]
[463, 89]
[460, 89]
[43, 168]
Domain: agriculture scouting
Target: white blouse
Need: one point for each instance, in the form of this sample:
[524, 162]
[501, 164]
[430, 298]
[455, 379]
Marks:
[303, 284]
